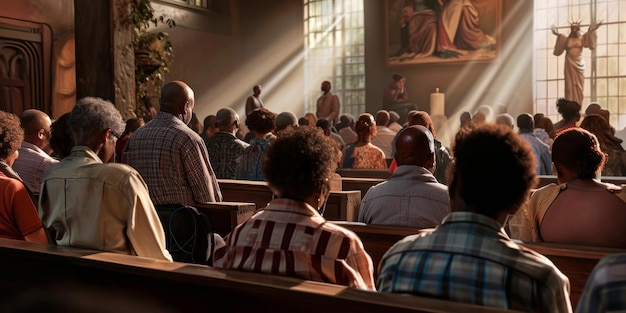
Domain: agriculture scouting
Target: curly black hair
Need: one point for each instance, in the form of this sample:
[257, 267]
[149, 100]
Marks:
[300, 163]
[11, 134]
[494, 169]
[261, 120]
[568, 109]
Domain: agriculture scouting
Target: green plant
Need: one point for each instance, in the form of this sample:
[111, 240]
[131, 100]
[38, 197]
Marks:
[153, 50]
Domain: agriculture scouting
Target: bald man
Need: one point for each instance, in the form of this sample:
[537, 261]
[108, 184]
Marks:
[171, 157]
[254, 101]
[412, 196]
[32, 161]
[224, 147]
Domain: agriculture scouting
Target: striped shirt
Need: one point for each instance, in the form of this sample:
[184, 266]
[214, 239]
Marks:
[605, 290]
[31, 164]
[173, 161]
[291, 238]
[470, 259]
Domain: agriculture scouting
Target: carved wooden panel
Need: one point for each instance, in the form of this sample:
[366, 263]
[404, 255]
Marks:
[25, 49]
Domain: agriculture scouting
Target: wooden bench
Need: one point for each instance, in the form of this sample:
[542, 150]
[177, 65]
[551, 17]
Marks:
[41, 270]
[551, 179]
[361, 184]
[363, 173]
[575, 261]
[225, 216]
[341, 205]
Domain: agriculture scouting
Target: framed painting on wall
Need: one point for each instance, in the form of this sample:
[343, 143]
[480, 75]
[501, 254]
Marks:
[441, 31]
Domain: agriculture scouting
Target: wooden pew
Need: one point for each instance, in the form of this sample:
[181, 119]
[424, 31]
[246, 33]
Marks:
[361, 184]
[575, 261]
[549, 179]
[363, 173]
[44, 269]
[225, 216]
[341, 205]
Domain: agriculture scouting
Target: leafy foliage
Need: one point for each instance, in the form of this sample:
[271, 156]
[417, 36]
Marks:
[155, 44]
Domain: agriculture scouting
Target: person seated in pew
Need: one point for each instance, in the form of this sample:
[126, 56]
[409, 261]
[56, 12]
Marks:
[261, 122]
[290, 237]
[87, 203]
[605, 290]
[580, 209]
[224, 147]
[469, 258]
[412, 196]
[362, 153]
[18, 215]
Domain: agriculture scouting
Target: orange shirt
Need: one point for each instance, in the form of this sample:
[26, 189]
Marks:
[18, 214]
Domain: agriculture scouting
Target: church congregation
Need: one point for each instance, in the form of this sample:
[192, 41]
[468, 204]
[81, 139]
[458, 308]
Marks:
[305, 178]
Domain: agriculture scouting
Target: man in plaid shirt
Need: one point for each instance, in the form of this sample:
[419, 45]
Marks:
[170, 156]
[469, 258]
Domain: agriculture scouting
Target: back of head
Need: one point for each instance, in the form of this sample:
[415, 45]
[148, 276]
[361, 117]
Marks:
[382, 118]
[415, 145]
[323, 123]
[364, 125]
[422, 118]
[466, 119]
[61, 138]
[132, 124]
[11, 134]
[486, 111]
[570, 110]
[306, 149]
[579, 151]
[394, 117]
[525, 122]
[303, 121]
[505, 119]
[226, 119]
[261, 120]
[494, 170]
[598, 126]
[593, 108]
[286, 119]
[209, 122]
[90, 116]
[174, 94]
[34, 120]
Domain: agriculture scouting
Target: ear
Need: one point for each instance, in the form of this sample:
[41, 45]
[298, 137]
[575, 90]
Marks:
[41, 134]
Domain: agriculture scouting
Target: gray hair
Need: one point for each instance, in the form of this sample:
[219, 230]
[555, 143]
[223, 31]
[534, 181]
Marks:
[90, 116]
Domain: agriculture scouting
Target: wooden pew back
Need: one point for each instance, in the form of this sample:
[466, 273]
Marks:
[341, 205]
[363, 173]
[225, 216]
[188, 287]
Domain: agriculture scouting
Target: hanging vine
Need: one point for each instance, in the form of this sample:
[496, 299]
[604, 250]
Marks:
[153, 50]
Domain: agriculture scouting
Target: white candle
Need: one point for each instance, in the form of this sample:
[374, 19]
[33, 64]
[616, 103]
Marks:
[437, 103]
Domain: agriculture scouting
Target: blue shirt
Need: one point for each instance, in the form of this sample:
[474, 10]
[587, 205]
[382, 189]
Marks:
[470, 259]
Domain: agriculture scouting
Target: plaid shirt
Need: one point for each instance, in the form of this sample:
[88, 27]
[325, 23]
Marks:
[225, 152]
[173, 161]
[291, 238]
[605, 290]
[470, 259]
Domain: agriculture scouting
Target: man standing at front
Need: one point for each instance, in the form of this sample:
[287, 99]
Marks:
[328, 103]
[170, 156]
[87, 203]
[469, 258]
